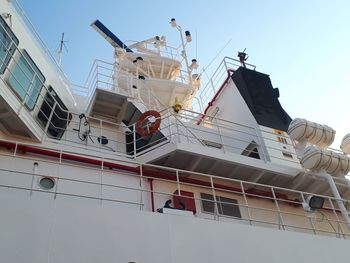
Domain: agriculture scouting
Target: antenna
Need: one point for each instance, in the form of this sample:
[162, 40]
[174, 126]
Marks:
[196, 44]
[204, 69]
[60, 50]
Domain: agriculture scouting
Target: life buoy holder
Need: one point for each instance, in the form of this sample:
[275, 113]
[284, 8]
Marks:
[150, 127]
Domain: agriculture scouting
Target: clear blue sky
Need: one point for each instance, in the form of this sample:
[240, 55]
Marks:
[302, 45]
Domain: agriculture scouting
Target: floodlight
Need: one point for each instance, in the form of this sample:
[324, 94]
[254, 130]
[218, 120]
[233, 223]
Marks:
[316, 202]
[313, 203]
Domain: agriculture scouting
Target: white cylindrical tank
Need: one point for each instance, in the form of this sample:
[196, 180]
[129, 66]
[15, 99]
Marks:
[313, 133]
[345, 144]
[333, 163]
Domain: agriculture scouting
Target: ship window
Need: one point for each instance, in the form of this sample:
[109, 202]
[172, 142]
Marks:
[8, 43]
[60, 117]
[226, 206]
[26, 80]
[47, 183]
[288, 155]
[282, 140]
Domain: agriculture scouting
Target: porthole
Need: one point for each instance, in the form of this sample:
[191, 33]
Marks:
[47, 183]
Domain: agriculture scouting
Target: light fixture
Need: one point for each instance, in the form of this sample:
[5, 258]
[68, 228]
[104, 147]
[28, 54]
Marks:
[173, 22]
[313, 203]
[157, 42]
[316, 202]
[188, 36]
[194, 65]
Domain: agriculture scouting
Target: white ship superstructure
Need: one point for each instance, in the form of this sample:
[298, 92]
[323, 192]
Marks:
[148, 162]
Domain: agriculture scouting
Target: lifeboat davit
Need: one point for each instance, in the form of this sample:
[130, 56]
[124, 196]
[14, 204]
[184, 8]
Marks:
[311, 132]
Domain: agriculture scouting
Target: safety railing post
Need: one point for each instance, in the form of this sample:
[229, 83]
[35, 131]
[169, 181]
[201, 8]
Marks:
[216, 208]
[311, 222]
[101, 133]
[170, 126]
[49, 119]
[246, 202]
[339, 231]
[141, 187]
[15, 150]
[134, 139]
[101, 181]
[177, 130]
[260, 145]
[67, 123]
[178, 182]
[280, 218]
[219, 132]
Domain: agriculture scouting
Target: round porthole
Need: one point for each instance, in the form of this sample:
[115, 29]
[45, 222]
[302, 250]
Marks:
[47, 183]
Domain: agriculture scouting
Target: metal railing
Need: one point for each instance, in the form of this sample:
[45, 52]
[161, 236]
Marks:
[212, 132]
[259, 204]
[192, 126]
[166, 51]
[174, 127]
[106, 76]
[214, 82]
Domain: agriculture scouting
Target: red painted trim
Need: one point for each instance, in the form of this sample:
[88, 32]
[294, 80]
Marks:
[211, 103]
[146, 172]
[152, 194]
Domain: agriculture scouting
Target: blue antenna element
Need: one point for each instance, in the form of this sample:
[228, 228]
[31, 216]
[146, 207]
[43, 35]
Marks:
[109, 36]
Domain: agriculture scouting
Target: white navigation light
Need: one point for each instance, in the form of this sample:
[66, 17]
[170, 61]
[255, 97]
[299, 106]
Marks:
[311, 132]
[188, 36]
[173, 22]
[194, 65]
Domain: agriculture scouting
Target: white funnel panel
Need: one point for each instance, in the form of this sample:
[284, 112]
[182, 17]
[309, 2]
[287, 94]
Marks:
[314, 133]
[345, 144]
[333, 163]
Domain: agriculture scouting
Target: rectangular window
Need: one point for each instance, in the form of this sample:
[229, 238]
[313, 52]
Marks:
[289, 155]
[226, 206]
[26, 80]
[8, 43]
[282, 140]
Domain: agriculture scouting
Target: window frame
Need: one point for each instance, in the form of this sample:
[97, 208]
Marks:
[37, 73]
[221, 203]
[10, 51]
